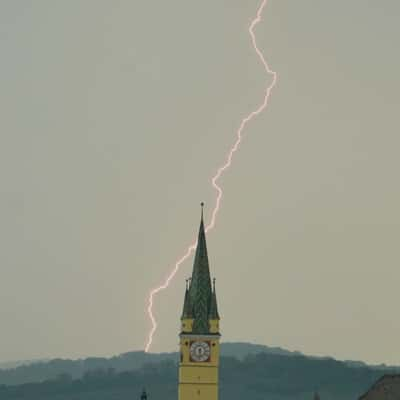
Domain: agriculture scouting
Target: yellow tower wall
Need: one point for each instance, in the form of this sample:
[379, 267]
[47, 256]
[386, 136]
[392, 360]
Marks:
[198, 380]
[214, 326]
[198, 374]
[187, 325]
[198, 392]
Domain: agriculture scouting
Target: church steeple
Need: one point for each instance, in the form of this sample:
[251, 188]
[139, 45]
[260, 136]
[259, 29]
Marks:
[199, 336]
[200, 293]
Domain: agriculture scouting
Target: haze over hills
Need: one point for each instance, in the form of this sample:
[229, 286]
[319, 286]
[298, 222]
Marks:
[38, 371]
[19, 372]
[257, 376]
[18, 363]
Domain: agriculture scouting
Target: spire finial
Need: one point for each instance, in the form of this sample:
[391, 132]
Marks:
[202, 210]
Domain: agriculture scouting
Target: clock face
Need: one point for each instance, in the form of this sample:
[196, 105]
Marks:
[200, 351]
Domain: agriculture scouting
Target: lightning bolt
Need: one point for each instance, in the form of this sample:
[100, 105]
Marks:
[218, 174]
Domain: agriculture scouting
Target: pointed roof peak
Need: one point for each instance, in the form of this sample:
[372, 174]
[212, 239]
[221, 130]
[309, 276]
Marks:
[201, 240]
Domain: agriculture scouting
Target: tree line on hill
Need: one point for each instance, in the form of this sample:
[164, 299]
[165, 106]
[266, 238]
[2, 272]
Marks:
[38, 371]
[256, 377]
[49, 369]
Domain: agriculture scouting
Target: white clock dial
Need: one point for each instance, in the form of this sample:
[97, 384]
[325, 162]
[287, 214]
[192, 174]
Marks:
[200, 351]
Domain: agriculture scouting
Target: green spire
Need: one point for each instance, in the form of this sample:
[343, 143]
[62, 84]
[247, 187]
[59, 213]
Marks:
[214, 306]
[187, 304]
[200, 286]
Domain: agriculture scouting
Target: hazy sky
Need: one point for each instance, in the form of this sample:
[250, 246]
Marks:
[114, 116]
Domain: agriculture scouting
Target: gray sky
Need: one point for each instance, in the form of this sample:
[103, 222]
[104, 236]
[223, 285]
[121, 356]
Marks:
[114, 116]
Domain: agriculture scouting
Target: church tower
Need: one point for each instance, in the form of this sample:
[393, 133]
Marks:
[199, 337]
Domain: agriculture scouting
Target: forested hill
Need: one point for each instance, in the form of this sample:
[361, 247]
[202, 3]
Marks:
[44, 370]
[256, 377]
[47, 370]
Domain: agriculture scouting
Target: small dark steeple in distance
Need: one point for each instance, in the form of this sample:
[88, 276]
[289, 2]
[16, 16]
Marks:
[144, 395]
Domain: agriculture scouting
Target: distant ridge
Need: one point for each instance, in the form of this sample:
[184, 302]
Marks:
[18, 363]
[241, 349]
[258, 376]
[231, 349]
[37, 371]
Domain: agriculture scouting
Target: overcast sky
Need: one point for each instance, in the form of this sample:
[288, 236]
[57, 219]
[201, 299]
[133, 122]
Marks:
[114, 116]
